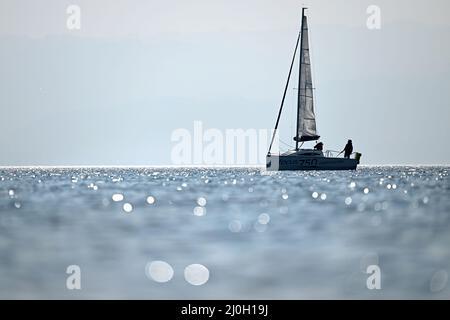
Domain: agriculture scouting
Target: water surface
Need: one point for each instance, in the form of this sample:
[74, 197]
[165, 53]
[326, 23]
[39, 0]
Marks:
[288, 235]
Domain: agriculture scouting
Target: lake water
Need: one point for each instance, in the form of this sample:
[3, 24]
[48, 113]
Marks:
[248, 235]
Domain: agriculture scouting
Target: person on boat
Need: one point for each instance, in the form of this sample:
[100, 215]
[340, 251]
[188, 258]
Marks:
[348, 149]
[318, 146]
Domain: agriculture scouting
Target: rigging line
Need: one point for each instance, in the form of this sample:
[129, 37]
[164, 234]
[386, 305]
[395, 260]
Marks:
[287, 144]
[284, 94]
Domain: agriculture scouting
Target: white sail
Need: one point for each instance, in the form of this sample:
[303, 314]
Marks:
[306, 116]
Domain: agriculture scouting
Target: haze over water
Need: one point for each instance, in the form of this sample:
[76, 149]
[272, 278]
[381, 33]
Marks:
[286, 235]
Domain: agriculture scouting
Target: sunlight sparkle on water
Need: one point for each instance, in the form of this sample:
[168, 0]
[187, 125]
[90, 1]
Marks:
[150, 200]
[264, 218]
[159, 271]
[117, 197]
[199, 211]
[201, 201]
[127, 207]
[196, 274]
[93, 187]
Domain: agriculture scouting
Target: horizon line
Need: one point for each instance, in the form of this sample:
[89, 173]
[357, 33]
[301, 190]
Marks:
[199, 166]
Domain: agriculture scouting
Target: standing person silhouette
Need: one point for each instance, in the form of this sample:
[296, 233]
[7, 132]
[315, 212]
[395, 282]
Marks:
[348, 149]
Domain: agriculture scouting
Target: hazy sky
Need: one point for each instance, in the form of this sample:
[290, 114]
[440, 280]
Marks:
[113, 92]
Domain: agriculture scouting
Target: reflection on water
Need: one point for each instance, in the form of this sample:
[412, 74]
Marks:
[224, 233]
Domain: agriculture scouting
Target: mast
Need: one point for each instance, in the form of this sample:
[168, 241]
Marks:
[297, 138]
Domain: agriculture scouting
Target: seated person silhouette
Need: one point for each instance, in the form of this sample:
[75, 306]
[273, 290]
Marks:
[318, 146]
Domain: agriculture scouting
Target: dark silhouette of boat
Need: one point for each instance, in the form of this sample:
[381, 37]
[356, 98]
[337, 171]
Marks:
[306, 159]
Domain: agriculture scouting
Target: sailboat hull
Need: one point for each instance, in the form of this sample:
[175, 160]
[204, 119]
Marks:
[309, 162]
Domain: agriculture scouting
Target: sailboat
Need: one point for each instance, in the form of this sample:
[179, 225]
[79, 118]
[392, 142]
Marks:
[306, 159]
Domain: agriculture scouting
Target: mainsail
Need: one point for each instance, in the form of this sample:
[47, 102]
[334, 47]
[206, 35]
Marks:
[306, 122]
